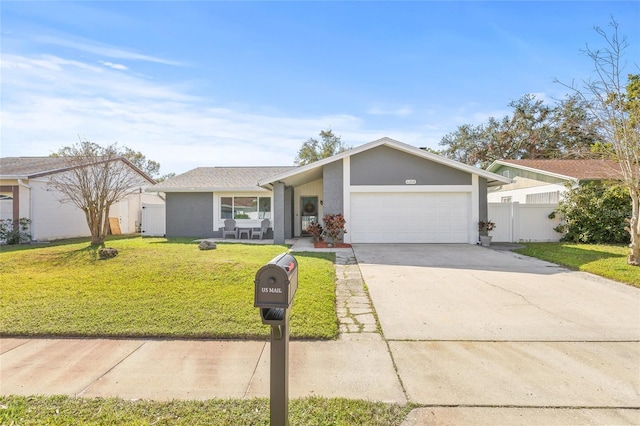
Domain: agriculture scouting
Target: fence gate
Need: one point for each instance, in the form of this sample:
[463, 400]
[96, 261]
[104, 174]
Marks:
[153, 220]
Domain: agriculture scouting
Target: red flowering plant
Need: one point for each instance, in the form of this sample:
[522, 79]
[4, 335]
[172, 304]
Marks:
[315, 229]
[334, 227]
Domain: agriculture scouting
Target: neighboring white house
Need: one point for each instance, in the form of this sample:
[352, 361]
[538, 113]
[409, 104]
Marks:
[544, 181]
[24, 193]
[521, 209]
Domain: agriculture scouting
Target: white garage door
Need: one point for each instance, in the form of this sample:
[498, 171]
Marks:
[410, 217]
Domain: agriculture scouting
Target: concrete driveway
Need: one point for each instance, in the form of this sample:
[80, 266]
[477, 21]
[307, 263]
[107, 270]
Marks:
[468, 325]
[465, 292]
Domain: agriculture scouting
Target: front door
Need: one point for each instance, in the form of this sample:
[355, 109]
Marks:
[309, 212]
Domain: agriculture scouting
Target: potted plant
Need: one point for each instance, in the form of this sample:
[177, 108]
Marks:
[334, 227]
[485, 227]
[315, 229]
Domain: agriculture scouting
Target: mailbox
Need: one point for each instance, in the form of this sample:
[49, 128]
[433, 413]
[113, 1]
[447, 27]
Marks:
[276, 283]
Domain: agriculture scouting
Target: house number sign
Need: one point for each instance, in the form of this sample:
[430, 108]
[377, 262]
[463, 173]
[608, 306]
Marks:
[410, 181]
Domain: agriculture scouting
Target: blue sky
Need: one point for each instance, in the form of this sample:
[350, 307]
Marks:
[209, 83]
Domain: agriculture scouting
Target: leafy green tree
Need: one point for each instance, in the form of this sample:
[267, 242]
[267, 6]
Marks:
[313, 150]
[595, 213]
[150, 167]
[533, 130]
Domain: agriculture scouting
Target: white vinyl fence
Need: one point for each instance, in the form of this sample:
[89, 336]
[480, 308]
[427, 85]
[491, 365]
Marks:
[517, 222]
[153, 220]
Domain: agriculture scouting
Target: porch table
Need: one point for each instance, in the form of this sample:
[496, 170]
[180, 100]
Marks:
[246, 231]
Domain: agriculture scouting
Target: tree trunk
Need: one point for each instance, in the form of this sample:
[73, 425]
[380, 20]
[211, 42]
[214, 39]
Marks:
[634, 229]
[95, 226]
[105, 222]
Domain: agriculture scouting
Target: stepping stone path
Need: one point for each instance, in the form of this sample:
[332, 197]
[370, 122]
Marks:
[355, 311]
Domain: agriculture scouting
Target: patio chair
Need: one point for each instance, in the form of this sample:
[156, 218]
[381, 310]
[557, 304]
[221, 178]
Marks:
[264, 225]
[230, 228]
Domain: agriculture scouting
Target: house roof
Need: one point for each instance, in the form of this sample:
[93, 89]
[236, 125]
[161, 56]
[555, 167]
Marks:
[313, 171]
[566, 169]
[34, 167]
[26, 167]
[209, 179]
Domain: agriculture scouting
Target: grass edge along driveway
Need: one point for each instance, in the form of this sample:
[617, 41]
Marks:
[155, 287]
[608, 261]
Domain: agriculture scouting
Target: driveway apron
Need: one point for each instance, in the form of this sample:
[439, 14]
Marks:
[474, 326]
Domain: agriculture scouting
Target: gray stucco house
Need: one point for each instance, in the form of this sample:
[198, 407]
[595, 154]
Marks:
[388, 191]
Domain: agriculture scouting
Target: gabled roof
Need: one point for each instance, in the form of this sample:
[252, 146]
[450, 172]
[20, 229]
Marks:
[34, 167]
[26, 167]
[576, 170]
[209, 179]
[314, 170]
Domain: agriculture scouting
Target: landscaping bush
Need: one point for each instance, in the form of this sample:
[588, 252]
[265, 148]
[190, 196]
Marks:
[12, 234]
[334, 227]
[595, 213]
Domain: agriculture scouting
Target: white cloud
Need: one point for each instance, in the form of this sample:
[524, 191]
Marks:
[51, 101]
[102, 49]
[114, 66]
[48, 102]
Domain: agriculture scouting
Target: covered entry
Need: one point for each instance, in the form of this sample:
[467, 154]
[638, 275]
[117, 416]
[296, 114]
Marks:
[414, 217]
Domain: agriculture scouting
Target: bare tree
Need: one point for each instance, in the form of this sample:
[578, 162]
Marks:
[614, 102]
[94, 179]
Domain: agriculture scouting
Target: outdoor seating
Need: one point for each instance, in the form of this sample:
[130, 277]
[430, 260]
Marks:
[230, 228]
[262, 231]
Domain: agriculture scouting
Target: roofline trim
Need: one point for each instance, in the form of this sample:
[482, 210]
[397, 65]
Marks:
[67, 168]
[207, 189]
[534, 170]
[391, 143]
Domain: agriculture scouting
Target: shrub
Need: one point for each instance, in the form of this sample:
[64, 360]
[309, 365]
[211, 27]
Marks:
[334, 226]
[595, 213]
[15, 234]
[486, 227]
[315, 229]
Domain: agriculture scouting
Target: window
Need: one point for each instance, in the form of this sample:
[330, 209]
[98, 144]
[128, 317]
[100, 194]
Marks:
[506, 173]
[245, 207]
[505, 199]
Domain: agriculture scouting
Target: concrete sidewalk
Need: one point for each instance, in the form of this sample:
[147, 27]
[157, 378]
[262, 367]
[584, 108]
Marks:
[186, 369]
[354, 369]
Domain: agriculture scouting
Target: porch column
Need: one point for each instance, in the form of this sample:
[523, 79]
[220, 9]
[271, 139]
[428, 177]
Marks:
[278, 213]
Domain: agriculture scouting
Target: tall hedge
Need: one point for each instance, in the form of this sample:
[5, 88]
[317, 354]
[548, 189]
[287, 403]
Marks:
[595, 213]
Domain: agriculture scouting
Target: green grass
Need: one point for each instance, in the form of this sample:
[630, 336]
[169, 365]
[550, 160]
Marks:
[155, 288]
[63, 410]
[605, 260]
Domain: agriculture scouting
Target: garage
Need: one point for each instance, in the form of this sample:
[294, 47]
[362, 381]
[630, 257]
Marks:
[414, 217]
[388, 192]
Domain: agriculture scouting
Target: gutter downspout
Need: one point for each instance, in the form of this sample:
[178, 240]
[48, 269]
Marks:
[30, 188]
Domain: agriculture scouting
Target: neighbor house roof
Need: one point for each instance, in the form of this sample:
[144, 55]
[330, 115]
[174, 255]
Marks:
[567, 169]
[26, 167]
[209, 179]
[34, 167]
[314, 170]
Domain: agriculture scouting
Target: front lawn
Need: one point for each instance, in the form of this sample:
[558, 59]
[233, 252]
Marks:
[156, 288]
[605, 260]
